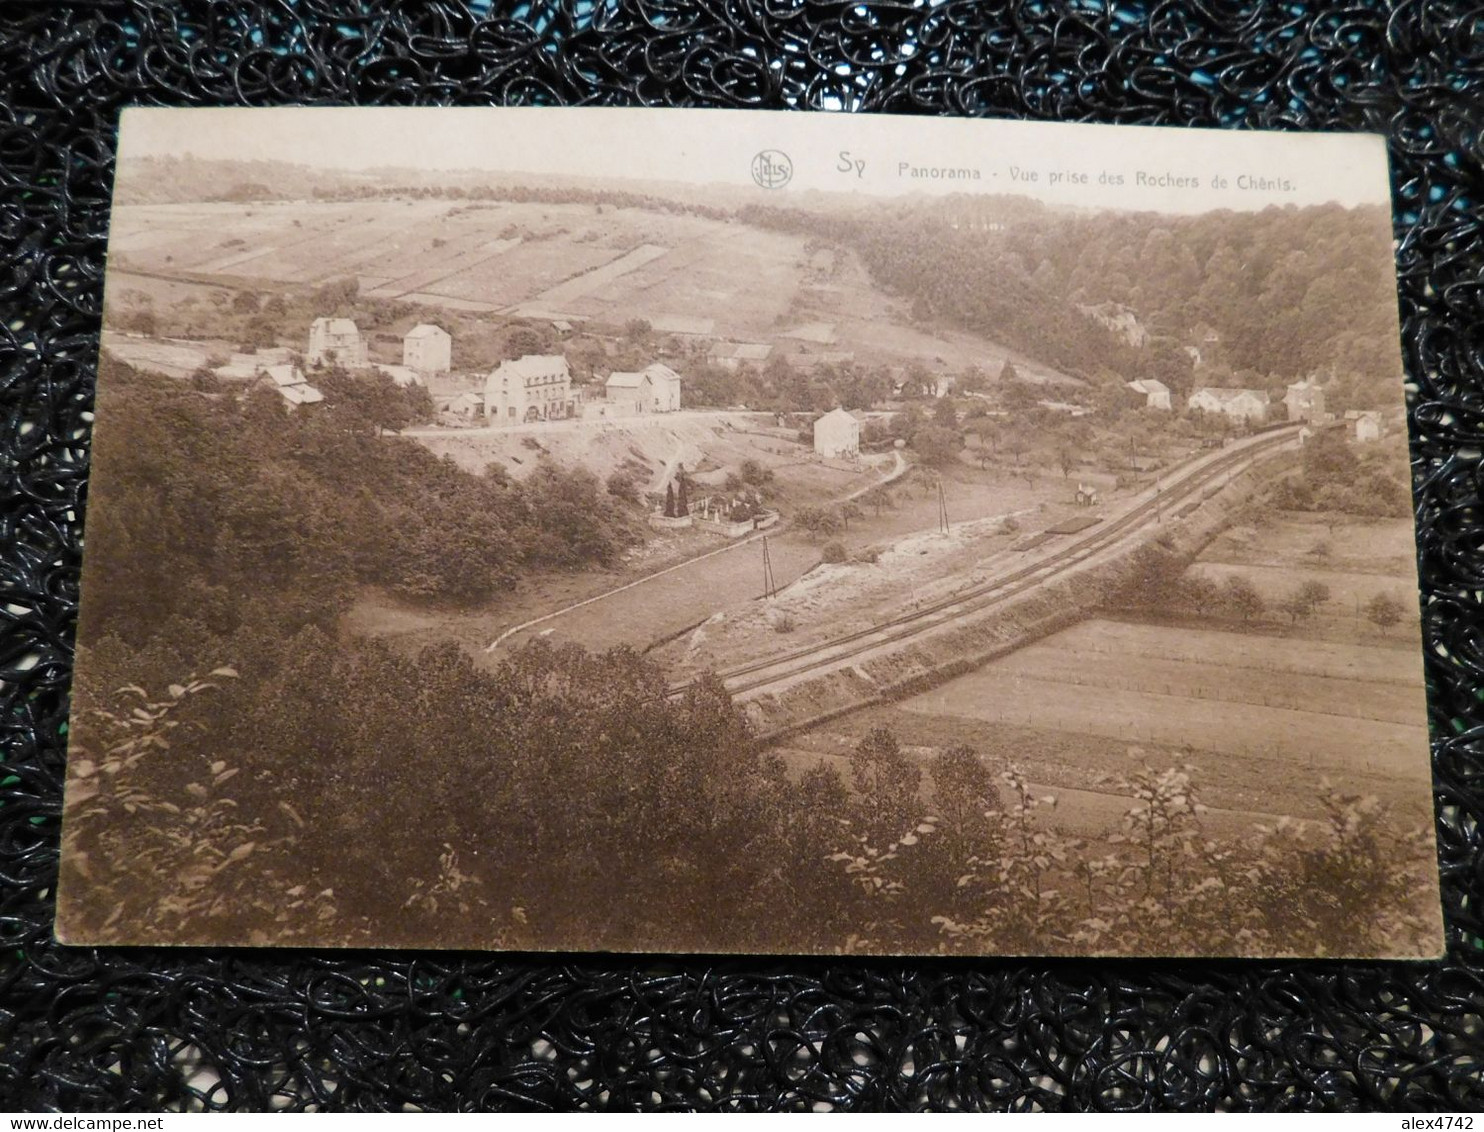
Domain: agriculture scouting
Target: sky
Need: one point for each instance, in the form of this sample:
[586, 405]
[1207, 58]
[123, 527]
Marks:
[1165, 169]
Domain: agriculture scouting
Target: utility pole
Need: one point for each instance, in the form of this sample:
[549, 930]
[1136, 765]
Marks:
[942, 509]
[770, 586]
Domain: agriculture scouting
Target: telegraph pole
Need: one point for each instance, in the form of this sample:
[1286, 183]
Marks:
[770, 586]
[942, 509]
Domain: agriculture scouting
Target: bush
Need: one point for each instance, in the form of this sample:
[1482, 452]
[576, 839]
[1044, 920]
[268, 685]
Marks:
[819, 520]
[621, 485]
[783, 624]
[833, 552]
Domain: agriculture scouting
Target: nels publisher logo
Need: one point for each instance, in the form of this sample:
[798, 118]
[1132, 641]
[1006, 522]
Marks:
[772, 169]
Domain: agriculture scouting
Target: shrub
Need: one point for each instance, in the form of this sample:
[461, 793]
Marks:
[833, 552]
[783, 624]
[622, 486]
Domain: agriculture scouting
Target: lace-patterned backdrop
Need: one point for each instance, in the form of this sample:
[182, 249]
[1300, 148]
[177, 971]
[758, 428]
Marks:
[161, 1029]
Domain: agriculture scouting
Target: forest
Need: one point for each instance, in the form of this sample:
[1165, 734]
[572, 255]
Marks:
[227, 516]
[1287, 292]
[244, 770]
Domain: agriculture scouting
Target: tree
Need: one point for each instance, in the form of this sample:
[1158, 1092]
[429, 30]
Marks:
[1018, 444]
[420, 406]
[525, 340]
[944, 413]
[1242, 598]
[936, 446]
[880, 498]
[1304, 601]
[669, 501]
[682, 497]
[819, 520]
[1153, 579]
[245, 302]
[753, 473]
[850, 510]
[1008, 374]
[1384, 611]
[886, 785]
[964, 792]
[1066, 460]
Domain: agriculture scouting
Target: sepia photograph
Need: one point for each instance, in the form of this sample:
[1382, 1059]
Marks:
[747, 532]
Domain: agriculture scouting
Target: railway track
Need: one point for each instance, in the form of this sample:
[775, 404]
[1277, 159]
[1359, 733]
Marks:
[761, 673]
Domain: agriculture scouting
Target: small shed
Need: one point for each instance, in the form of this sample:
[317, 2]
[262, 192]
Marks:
[467, 406]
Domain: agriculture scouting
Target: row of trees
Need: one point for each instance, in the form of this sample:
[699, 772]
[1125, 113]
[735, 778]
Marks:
[1157, 582]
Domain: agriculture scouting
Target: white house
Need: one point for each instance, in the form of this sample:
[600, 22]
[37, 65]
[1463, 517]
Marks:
[427, 349]
[336, 340]
[1156, 394]
[1363, 425]
[1241, 405]
[288, 381]
[837, 434]
[654, 389]
[536, 387]
[1305, 401]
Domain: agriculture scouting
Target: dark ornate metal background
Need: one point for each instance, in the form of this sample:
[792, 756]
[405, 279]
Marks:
[127, 1029]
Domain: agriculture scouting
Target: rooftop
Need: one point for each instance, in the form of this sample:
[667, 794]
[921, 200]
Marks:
[1227, 396]
[533, 365]
[337, 326]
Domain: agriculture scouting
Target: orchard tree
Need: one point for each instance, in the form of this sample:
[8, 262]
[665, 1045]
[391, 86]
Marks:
[1384, 611]
[1304, 601]
[1242, 598]
[819, 520]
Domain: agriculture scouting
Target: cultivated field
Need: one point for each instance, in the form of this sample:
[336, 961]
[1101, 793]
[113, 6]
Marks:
[1262, 712]
[568, 261]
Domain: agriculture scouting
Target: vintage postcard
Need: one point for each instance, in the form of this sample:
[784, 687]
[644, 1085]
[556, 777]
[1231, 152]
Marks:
[711, 531]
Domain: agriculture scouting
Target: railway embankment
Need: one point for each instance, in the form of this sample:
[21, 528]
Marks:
[965, 642]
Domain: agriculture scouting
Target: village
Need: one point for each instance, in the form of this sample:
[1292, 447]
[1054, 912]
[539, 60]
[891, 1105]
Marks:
[993, 470]
[532, 390]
